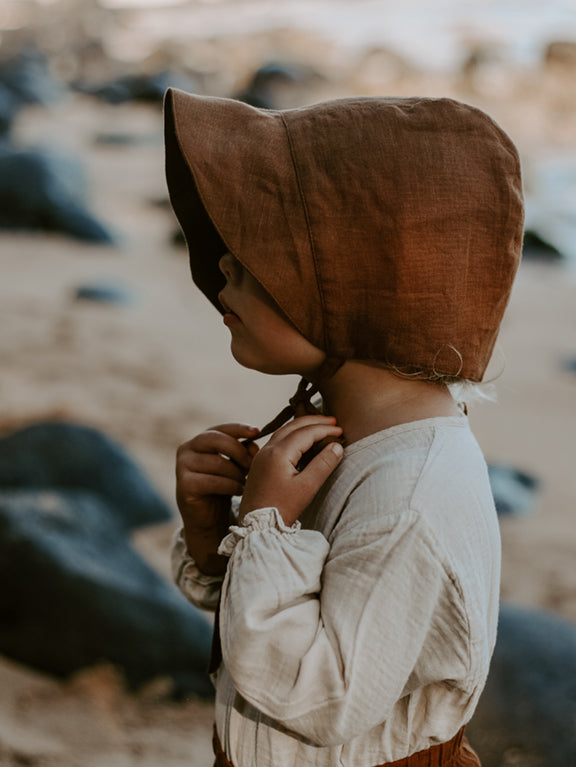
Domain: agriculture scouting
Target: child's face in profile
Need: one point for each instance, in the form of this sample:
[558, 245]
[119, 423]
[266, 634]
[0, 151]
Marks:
[262, 338]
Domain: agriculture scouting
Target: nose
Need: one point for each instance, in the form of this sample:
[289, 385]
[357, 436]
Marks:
[231, 268]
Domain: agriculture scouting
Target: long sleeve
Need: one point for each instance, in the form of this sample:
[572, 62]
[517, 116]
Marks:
[366, 632]
[200, 589]
[326, 639]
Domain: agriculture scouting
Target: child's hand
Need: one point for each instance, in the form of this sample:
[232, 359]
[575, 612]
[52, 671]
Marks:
[210, 468]
[274, 479]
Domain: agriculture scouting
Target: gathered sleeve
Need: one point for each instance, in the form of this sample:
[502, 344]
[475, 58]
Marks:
[325, 639]
[200, 589]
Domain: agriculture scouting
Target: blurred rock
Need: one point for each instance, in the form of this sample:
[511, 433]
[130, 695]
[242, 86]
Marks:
[116, 138]
[487, 70]
[570, 365]
[139, 87]
[262, 88]
[379, 66]
[45, 189]
[27, 76]
[8, 109]
[561, 52]
[527, 713]
[538, 248]
[76, 457]
[514, 491]
[178, 240]
[76, 594]
[104, 293]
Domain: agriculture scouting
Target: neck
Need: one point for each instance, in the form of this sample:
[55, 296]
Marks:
[366, 399]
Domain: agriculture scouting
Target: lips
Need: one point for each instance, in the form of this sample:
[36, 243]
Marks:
[228, 313]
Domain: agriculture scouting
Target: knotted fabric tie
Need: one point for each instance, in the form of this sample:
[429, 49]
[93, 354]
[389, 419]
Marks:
[300, 404]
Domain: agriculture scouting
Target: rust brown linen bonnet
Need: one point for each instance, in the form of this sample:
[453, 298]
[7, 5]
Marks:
[385, 229]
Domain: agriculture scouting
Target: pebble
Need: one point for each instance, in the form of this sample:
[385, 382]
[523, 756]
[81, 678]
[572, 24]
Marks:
[514, 491]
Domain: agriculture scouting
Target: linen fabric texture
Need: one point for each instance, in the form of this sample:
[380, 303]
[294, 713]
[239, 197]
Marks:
[362, 634]
[456, 753]
[385, 229]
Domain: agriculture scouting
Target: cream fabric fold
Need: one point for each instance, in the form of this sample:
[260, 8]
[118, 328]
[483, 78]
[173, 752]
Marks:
[366, 634]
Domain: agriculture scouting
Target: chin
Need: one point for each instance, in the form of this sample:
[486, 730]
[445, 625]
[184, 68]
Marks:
[268, 367]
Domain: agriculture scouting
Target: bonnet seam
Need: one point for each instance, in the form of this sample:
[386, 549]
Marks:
[309, 230]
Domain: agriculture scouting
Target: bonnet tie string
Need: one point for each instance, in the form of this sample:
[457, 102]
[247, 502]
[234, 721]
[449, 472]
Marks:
[301, 404]
[301, 401]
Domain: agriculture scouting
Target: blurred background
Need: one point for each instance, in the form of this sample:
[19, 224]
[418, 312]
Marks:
[102, 331]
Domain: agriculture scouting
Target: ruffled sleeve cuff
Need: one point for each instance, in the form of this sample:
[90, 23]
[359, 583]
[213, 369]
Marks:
[258, 520]
[200, 589]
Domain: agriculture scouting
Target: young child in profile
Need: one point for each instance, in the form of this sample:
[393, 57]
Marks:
[368, 245]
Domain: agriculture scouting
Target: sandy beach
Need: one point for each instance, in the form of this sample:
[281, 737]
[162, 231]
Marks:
[154, 372]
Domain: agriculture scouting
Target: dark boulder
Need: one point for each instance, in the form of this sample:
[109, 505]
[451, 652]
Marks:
[76, 457]
[536, 247]
[44, 189]
[76, 594]
[527, 712]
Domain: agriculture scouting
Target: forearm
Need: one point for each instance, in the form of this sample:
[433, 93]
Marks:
[199, 588]
[203, 538]
[202, 545]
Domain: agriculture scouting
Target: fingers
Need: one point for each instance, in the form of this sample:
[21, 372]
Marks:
[297, 442]
[222, 440]
[209, 484]
[208, 463]
[299, 423]
[252, 448]
[322, 465]
[237, 430]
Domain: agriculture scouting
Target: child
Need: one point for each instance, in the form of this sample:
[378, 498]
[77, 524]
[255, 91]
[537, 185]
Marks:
[368, 245]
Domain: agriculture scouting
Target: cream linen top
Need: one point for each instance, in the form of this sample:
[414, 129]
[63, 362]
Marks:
[364, 632]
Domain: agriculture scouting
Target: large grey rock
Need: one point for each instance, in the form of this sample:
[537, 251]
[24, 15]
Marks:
[45, 189]
[74, 593]
[527, 713]
[75, 457]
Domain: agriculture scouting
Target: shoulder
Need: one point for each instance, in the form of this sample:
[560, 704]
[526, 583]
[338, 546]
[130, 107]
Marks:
[409, 467]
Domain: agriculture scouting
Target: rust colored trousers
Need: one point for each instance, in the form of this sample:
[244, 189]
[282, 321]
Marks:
[455, 753]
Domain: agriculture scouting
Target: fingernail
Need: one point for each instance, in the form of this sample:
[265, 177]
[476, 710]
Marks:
[337, 448]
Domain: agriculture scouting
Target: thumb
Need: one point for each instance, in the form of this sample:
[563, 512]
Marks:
[322, 465]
